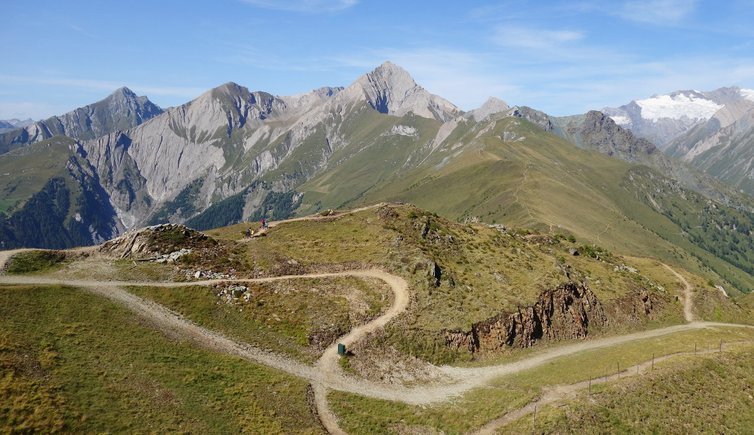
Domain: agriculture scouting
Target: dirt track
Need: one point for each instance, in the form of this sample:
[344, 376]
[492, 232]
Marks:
[688, 294]
[326, 374]
[327, 371]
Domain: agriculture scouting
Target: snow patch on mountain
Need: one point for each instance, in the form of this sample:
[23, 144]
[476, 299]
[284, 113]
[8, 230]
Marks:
[403, 130]
[623, 121]
[678, 106]
[748, 94]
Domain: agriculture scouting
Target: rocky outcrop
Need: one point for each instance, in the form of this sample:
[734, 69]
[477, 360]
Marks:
[565, 312]
[540, 119]
[601, 133]
[156, 241]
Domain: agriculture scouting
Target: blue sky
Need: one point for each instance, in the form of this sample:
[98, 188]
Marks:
[562, 57]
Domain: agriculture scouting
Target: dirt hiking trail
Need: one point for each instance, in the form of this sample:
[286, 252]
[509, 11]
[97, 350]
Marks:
[327, 374]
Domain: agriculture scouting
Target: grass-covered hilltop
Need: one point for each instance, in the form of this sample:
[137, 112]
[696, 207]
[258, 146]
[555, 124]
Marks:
[448, 326]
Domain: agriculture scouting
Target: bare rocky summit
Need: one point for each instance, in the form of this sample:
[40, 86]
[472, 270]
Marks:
[390, 89]
[121, 110]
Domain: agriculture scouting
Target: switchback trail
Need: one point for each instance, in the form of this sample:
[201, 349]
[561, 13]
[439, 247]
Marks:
[463, 378]
[326, 374]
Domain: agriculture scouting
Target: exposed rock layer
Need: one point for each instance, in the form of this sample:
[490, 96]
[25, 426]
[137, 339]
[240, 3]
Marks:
[565, 312]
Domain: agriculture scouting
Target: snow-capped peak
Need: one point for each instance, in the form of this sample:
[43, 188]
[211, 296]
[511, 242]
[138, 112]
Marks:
[747, 93]
[690, 105]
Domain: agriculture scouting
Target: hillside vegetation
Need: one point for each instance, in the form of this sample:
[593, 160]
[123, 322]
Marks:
[87, 365]
[479, 295]
[464, 276]
[524, 176]
[709, 394]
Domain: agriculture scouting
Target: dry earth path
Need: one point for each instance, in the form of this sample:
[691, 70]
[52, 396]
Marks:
[326, 374]
[688, 293]
[313, 217]
[463, 378]
[561, 392]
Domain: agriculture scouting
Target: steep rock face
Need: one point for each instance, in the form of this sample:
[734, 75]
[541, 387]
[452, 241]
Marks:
[221, 142]
[599, 132]
[185, 142]
[564, 312]
[120, 176]
[121, 110]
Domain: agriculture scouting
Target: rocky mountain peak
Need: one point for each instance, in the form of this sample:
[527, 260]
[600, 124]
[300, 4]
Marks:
[390, 89]
[602, 133]
[123, 92]
[390, 75]
[121, 110]
[229, 88]
[490, 107]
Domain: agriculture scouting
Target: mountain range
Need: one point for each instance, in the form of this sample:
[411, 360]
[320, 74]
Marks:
[712, 131]
[11, 124]
[234, 155]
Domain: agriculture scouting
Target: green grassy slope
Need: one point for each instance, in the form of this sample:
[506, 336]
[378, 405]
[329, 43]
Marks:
[696, 395]
[515, 173]
[25, 171]
[88, 365]
[484, 271]
[51, 198]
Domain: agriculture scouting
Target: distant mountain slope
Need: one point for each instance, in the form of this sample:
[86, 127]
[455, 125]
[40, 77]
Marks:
[12, 124]
[663, 118]
[233, 155]
[120, 110]
[236, 145]
[5, 126]
[712, 131]
[511, 171]
[50, 197]
[726, 153]
[599, 132]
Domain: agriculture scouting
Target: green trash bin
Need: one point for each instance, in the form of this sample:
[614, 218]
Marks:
[341, 349]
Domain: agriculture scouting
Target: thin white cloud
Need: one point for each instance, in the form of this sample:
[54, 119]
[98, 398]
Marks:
[657, 12]
[28, 109]
[303, 5]
[78, 29]
[534, 38]
[172, 91]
